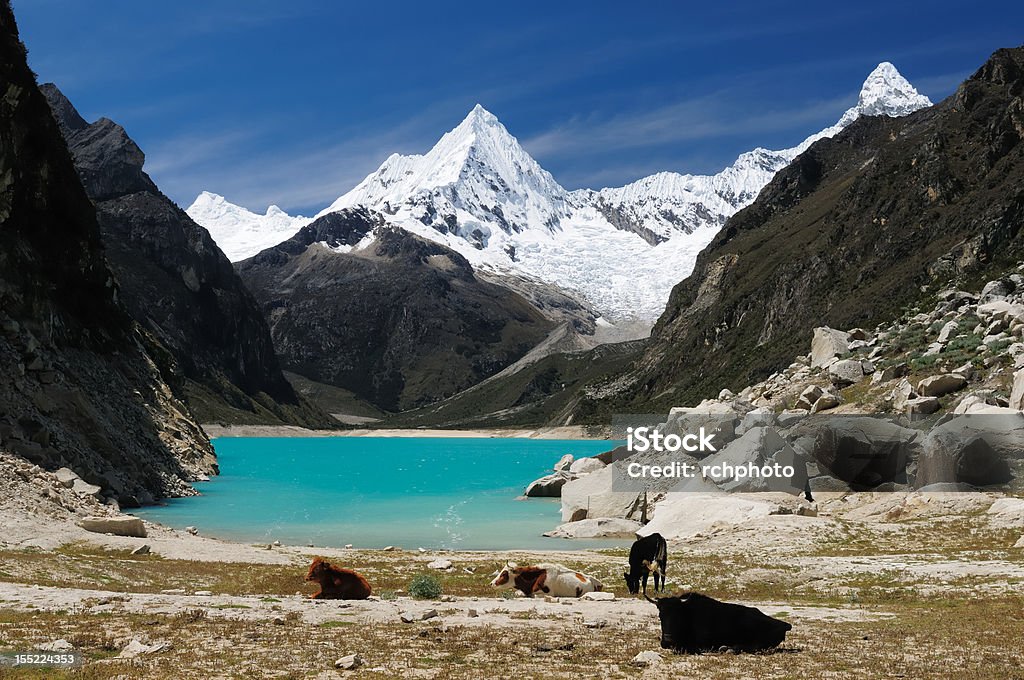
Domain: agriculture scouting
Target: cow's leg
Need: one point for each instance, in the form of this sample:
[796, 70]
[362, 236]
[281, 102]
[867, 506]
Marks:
[538, 585]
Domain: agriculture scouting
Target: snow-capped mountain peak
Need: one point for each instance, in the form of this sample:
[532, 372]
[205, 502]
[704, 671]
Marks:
[239, 232]
[887, 93]
[476, 181]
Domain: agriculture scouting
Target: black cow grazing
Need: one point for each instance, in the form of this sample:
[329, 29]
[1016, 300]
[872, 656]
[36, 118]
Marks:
[694, 623]
[648, 554]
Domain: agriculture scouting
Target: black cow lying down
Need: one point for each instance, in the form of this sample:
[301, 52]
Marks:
[694, 623]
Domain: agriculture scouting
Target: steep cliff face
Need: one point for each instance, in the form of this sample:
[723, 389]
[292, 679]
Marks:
[397, 319]
[855, 229]
[78, 386]
[178, 285]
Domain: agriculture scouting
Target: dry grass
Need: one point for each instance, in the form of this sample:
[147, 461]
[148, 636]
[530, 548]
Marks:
[942, 639]
[923, 624]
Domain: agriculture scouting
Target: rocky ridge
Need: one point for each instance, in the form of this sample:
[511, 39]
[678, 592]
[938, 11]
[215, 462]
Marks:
[178, 285]
[859, 227]
[80, 382]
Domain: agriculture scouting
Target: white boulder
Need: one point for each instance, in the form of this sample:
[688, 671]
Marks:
[682, 515]
[584, 466]
[846, 371]
[828, 344]
[1007, 512]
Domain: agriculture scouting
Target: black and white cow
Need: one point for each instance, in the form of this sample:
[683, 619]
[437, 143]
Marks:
[647, 555]
[694, 623]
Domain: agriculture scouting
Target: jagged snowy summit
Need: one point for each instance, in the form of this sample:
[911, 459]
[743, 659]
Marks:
[477, 178]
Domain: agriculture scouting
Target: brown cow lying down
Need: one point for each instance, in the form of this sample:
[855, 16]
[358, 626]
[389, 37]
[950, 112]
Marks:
[694, 623]
[336, 583]
[548, 579]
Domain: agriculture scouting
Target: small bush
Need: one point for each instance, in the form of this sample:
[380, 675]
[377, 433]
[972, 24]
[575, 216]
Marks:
[425, 587]
[921, 361]
[191, 615]
[997, 347]
[388, 595]
[967, 343]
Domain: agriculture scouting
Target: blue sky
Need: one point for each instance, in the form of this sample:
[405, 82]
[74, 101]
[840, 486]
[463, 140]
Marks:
[294, 102]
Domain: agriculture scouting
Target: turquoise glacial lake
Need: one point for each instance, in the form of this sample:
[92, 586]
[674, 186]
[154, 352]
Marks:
[452, 493]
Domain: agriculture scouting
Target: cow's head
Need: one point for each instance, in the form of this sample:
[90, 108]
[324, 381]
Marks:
[505, 576]
[670, 612]
[317, 569]
[633, 580]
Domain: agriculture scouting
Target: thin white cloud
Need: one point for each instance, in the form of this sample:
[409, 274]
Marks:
[718, 115]
[307, 177]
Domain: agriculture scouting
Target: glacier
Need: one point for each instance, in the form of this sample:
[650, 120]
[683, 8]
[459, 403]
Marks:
[620, 249]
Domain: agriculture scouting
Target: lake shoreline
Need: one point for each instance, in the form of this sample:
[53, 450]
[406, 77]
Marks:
[575, 432]
[432, 492]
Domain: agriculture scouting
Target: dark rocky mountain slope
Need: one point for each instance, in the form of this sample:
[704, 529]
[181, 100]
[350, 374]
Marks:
[80, 382]
[398, 320]
[178, 285]
[853, 231]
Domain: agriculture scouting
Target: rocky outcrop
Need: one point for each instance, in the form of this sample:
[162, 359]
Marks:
[177, 284]
[549, 486]
[398, 320]
[80, 385]
[565, 470]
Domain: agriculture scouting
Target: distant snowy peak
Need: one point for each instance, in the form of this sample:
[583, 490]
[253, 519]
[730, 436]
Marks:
[667, 203]
[886, 93]
[241, 233]
[475, 181]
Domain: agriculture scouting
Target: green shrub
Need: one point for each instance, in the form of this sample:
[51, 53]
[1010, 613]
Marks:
[920, 361]
[967, 343]
[425, 587]
[997, 347]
